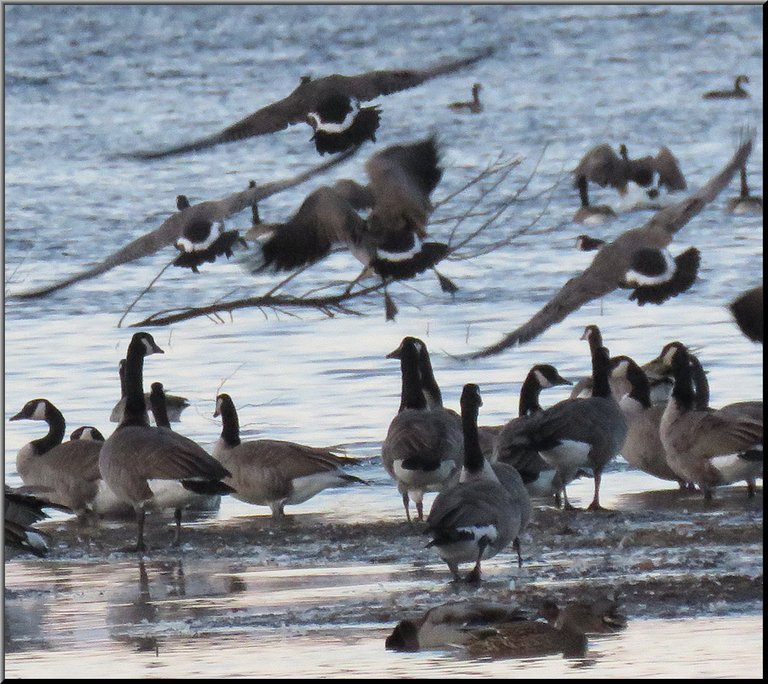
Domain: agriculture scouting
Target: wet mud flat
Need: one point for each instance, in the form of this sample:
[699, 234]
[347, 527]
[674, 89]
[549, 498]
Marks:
[663, 555]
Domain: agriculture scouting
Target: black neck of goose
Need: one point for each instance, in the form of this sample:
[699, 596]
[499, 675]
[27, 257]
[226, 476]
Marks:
[121, 370]
[583, 192]
[411, 395]
[230, 423]
[641, 388]
[56, 430]
[159, 407]
[744, 186]
[429, 385]
[682, 391]
[135, 407]
[529, 395]
[473, 455]
[700, 384]
[600, 374]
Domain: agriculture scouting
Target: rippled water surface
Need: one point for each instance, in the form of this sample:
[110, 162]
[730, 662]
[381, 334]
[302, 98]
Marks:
[83, 83]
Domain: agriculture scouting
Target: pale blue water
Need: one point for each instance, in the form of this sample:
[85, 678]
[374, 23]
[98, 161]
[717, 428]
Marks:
[83, 83]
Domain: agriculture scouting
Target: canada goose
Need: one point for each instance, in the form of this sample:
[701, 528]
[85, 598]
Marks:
[586, 243]
[200, 243]
[585, 617]
[87, 432]
[330, 105]
[174, 404]
[390, 241]
[737, 92]
[474, 105]
[215, 211]
[423, 449]
[67, 472]
[21, 511]
[744, 203]
[747, 310]
[587, 213]
[709, 448]
[274, 473]
[153, 467]
[539, 477]
[477, 517]
[641, 248]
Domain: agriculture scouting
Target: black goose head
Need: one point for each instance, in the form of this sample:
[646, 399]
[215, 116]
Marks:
[159, 406]
[547, 376]
[593, 335]
[87, 432]
[624, 366]
[182, 202]
[404, 637]
[683, 390]
[36, 409]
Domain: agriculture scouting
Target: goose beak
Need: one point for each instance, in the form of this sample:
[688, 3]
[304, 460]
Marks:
[18, 416]
[395, 353]
[560, 380]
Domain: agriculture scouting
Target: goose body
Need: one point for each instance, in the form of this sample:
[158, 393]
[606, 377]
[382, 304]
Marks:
[747, 311]
[738, 91]
[639, 250]
[586, 617]
[274, 473]
[477, 517]
[474, 106]
[153, 467]
[21, 511]
[709, 448]
[745, 202]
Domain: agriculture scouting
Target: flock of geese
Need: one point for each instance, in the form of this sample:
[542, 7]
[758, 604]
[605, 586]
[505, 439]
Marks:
[657, 416]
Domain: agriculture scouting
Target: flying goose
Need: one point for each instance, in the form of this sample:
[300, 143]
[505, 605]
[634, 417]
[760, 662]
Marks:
[174, 404]
[474, 105]
[539, 477]
[591, 214]
[737, 92]
[330, 105]
[66, 472]
[21, 511]
[174, 227]
[747, 311]
[709, 448]
[477, 517]
[153, 467]
[200, 242]
[641, 248]
[424, 447]
[744, 203]
[390, 241]
[274, 473]
[585, 617]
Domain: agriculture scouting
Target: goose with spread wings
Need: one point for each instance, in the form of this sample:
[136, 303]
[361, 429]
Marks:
[618, 263]
[330, 105]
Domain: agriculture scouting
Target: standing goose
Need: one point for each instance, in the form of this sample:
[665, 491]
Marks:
[709, 448]
[642, 250]
[391, 241]
[477, 517]
[67, 472]
[274, 473]
[737, 92]
[330, 105]
[153, 467]
[747, 311]
[744, 203]
[424, 447]
[174, 404]
[474, 106]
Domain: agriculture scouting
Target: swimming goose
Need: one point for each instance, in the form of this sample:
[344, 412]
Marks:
[474, 105]
[66, 472]
[274, 473]
[21, 511]
[585, 617]
[174, 404]
[539, 477]
[747, 310]
[591, 214]
[423, 449]
[200, 243]
[477, 517]
[390, 241]
[153, 467]
[330, 105]
[174, 227]
[709, 448]
[737, 92]
[640, 249]
[744, 203]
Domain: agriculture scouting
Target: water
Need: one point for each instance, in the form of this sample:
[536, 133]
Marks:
[86, 82]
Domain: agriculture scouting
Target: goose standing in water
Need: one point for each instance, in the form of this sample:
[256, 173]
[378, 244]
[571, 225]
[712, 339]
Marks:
[424, 447]
[638, 258]
[330, 105]
[747, 310]
[275, 473]
[153, 467]
[709, 448]
[474, 105]
[745, 203]
[738, 92]
[477, 517]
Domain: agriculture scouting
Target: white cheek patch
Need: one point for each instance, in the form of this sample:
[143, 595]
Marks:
[620, 369]
[39, 412]
[541, 379]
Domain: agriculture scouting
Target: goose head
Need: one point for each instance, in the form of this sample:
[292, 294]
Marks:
[35, 409]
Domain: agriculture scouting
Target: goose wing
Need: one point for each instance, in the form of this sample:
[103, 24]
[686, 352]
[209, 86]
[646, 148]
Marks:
[716, 434]
[601, 165]
[666, 165]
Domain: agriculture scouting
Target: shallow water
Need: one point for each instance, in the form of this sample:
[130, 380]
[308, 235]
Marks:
[86, 82]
